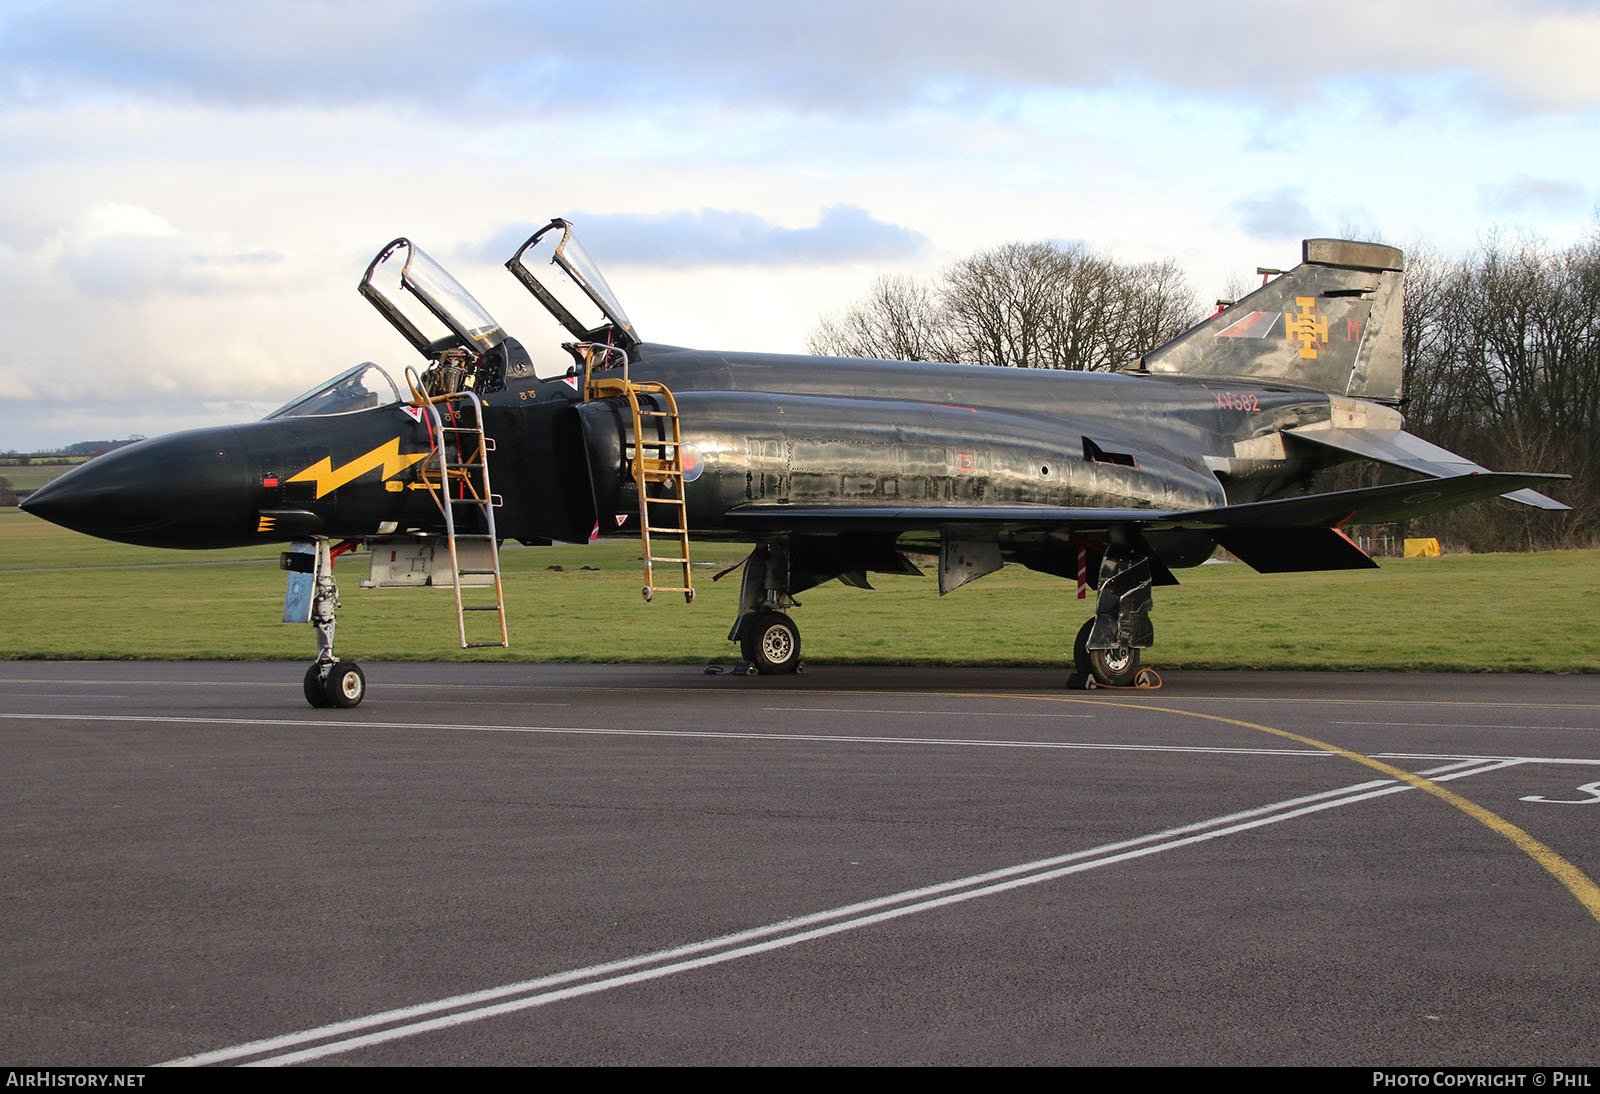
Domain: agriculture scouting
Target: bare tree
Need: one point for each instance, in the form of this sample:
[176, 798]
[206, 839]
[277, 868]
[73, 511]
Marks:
[899, 319]
[1019, 305]
[1000, 304]
[1503, 365]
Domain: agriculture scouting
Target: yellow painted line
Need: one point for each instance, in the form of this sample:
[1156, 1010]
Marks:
[1574, 879]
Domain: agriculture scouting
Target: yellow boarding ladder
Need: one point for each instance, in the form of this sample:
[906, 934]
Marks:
[462, 486]
[657, 461]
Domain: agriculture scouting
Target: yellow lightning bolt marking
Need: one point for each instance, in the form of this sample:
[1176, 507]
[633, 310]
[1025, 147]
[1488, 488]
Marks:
[387, 456]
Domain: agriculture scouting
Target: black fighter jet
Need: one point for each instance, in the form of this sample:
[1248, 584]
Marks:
[830, 467]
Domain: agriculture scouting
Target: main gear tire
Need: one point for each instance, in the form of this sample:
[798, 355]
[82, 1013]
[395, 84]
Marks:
[1080, 649]
[1115, 668]
[771, 642]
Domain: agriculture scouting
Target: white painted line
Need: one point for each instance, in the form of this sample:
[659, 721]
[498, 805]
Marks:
[1387, 701]
[1555, 760]
[825, 738]
[1464, 725]
[917, 713]
[542, 991]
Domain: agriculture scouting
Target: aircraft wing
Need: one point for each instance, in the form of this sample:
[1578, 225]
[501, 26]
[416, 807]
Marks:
[1277, 536]
[1398, 448]
[912, 518]
[1367, 505]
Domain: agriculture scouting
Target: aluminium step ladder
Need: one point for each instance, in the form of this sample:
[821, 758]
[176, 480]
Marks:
[655, 461]
[460, 485]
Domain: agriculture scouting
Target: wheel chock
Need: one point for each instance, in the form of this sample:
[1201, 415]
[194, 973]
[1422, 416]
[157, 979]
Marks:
[1144, 680]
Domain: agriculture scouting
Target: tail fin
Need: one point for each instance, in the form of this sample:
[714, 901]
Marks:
[1330, 324]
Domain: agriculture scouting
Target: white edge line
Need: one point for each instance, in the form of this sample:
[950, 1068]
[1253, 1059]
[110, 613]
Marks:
[593, 987]
[926, 897]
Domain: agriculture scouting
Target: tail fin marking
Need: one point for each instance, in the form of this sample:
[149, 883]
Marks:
[1330, 324]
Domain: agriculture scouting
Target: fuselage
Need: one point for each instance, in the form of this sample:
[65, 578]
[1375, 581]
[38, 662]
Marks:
[773, 430]
[759, 430]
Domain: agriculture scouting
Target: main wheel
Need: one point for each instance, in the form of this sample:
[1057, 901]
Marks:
[1117, 668]
[1080, 649]
[315, 694]
[347, 684]
[771, 642]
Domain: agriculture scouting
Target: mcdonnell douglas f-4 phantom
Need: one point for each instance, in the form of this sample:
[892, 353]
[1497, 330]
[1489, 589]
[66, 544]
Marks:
[830, 467]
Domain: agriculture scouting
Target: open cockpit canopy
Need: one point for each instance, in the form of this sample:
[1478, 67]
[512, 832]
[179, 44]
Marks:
[426, 304]
[579, 298]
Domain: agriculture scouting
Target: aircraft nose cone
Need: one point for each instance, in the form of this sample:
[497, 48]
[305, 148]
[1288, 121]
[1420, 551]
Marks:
[185, 490]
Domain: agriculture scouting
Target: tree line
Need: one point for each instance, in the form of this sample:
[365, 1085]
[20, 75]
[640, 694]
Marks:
[1501, 349]
[1502, 364]
[1021, 305]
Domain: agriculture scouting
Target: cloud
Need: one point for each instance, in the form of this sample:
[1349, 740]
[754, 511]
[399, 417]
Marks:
[725, 237]
[504, 57]
[125, 251]
[1526, 194]
[1276, 214]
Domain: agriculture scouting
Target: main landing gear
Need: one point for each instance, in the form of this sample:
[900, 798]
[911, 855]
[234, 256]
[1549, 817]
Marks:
[1106, 650]
[770, 642]
[313, 597]
[768, 639]
[1115, 667]
[1105, 654]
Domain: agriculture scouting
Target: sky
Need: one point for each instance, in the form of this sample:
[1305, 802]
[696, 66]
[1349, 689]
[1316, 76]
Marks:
[190, 191]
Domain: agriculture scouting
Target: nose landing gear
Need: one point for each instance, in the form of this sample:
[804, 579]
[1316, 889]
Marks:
[312, 597]
[340, 684]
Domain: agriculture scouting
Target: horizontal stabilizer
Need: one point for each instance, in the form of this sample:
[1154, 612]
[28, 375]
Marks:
[1398, 448]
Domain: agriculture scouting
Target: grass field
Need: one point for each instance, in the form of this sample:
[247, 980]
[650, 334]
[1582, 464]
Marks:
[34, 475]
[69, 596]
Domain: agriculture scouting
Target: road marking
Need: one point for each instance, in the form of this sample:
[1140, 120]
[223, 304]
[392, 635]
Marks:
[944, 713]
[1299, 701]
[1091, 746]
[598, 978]
[1462, 725]
[734, 690]
[692, 734]
[1554, 760]
[1575, 880]
[476, 1006]
[1591, 789]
